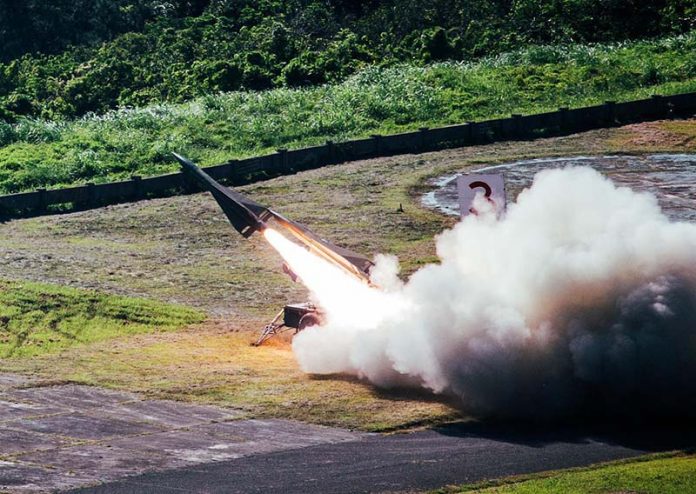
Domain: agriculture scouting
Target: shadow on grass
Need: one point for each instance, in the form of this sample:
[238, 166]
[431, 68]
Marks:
[396, 394]
[402, 394]
[651, 435]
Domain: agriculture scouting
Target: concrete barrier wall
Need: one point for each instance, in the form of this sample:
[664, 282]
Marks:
[238, 172]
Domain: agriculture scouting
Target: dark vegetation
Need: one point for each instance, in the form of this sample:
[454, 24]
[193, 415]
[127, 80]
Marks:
[65, 58]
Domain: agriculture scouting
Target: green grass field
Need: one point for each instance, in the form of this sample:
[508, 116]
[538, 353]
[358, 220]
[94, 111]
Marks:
[649, 475]
[212, 129]
[38, 318]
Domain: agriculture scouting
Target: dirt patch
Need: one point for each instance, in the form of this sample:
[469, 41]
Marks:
[214, 363]
[661, 134]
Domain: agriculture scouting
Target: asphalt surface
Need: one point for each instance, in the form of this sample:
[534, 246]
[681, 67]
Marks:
[415, 461]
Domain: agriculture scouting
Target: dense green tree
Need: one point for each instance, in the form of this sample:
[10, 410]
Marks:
[70, 57]
[48, 26]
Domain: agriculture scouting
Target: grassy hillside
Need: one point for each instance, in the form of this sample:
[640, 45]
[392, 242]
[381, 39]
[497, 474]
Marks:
[37, 318]
[211, 129]
[69, 57]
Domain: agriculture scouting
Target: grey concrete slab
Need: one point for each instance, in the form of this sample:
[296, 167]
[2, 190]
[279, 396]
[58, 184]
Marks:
[97, 463]
[275, 434]
[18, 441]
[170, 413]
[81, 426]
[123, 457]
[8, 381]
[185, 447]
[21, 477]
[69, 435]
[72, 395]
[12, 409]
[235, 439]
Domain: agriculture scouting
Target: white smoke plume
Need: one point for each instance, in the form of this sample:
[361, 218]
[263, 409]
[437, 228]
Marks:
[581, 300]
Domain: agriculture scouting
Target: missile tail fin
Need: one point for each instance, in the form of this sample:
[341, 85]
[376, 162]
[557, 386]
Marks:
[245, 215]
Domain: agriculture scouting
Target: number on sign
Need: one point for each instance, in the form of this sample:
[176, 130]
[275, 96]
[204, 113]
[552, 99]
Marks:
[493, 187]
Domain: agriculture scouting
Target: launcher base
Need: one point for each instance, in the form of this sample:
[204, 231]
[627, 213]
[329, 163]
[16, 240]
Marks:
[292, 316]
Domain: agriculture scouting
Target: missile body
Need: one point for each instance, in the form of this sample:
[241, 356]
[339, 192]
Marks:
[245, 215]
[248, 216]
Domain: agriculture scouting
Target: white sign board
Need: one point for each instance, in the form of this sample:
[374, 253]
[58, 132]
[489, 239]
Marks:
[490, 187]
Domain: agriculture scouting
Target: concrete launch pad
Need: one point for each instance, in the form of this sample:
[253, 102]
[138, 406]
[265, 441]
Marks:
[55, 437]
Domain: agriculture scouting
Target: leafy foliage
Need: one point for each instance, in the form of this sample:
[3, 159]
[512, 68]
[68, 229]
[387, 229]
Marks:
[30, 26]
[214, 128]
[67, 58]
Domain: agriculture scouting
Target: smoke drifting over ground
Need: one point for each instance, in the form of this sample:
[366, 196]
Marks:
[580, 301]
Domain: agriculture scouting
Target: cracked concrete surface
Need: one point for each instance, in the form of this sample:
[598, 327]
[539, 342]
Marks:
[61, 436]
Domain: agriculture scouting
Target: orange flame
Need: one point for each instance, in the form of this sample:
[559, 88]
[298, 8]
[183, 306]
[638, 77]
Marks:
[341, 296]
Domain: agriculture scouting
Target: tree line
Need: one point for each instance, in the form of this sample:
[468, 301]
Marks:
[65, 58]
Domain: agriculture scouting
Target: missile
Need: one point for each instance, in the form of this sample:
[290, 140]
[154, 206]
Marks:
[245, 215]
[248, 216]
[349, 261]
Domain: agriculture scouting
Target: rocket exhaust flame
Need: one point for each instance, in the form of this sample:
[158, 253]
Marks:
[340, 294]
[580, 301]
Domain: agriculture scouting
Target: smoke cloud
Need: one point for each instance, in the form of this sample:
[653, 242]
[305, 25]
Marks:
[581, 301]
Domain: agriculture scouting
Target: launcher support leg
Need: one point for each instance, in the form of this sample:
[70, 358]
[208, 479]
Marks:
[271, 329]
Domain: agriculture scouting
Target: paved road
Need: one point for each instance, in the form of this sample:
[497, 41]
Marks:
[416, 461]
